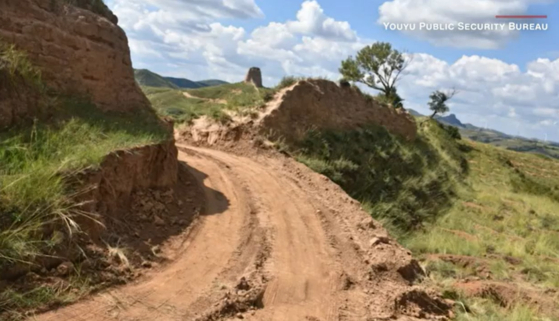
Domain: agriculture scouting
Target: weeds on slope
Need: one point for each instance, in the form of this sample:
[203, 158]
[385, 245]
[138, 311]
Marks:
[34, 164]
[17, 65]
[38, 209]
[494, 210]
[214, 102]
[504, 223]
[405, 184]
[172, 103]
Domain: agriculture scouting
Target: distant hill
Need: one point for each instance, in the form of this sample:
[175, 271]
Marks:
[497, 138]
[450, 120]
[184, 83]
[148, 78]
[212, 82]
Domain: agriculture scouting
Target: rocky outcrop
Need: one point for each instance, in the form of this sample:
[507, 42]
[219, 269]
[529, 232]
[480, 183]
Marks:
[254, 76]
[77, 50]
[321, 104]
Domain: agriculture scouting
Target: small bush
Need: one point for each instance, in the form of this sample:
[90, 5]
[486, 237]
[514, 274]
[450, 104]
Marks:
[287, 81]
[452, 131]
[268, 96]
[17, 64]
[344, 83]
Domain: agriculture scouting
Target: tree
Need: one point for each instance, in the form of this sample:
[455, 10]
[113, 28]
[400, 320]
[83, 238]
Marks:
[377, 66]
[395, 99]
[438, 101]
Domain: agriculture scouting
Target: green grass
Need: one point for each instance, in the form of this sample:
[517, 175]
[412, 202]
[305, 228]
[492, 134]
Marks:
[214, 102]
[36, 162]
[38, 208]
[238, 96]
[147, 78]
[16, 65]
[288, 81]
[443, 195]
[405, 184]
[172, 103]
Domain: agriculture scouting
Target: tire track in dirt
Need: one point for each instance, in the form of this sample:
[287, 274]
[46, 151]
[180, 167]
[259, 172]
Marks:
[303, 270]
[206, 251]
[306, 251]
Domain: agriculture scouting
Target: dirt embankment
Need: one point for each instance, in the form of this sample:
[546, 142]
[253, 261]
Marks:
[322, 104]
[110, 211]
[77, 51]
[110, 188]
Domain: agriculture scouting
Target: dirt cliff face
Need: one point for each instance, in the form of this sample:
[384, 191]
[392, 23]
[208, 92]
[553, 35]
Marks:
[322, 104]
[123, 172]
[77, 50]
[18, 99]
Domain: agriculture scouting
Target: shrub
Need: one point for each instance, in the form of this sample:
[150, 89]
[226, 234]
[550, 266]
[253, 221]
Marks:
[344, 83]
[287, 81]
[17, 64]
[452, 131]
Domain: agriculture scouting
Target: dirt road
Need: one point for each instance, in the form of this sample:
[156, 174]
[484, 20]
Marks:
[274, 242]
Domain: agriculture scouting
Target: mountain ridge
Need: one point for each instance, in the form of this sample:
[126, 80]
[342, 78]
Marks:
[497, 138]
[146, 77]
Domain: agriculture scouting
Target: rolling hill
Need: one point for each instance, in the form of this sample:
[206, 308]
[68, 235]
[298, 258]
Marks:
[497, 138]
[148, 78]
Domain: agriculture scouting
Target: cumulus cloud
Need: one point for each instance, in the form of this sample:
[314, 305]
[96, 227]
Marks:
[187, 38]
[172, 38]
[455, 11]
[490, 91]
[311, 20]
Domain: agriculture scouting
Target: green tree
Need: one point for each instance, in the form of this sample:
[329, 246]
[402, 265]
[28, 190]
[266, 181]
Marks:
[378, 66]
[438, 101]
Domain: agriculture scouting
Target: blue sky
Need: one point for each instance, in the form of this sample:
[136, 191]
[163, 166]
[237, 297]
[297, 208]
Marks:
[363, 16]
[509, 80]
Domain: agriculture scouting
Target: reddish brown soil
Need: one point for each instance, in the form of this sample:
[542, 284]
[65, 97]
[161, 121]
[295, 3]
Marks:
[274, 241]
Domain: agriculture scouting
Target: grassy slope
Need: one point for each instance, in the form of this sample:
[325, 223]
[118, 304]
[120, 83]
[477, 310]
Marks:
[35, 162]
[211, 101]
[148, 78]
[512, 143]
[499, 139]
[145, 77]
[441, 196]
[183, 83]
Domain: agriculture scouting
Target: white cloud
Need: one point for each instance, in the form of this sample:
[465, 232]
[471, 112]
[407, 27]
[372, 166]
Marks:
[455, 11]
[172, 38]
[311, 20]
[187, 39]
[488, 90]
